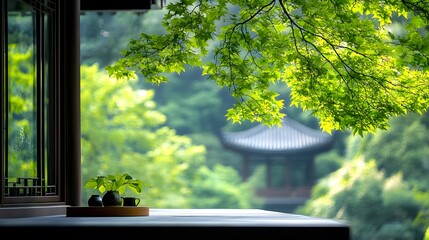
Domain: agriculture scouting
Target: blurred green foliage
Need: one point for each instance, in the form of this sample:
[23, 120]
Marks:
[122, 131]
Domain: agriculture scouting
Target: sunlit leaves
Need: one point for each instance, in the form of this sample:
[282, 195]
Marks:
[338, 57]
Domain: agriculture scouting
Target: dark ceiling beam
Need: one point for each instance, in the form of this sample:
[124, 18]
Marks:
[120, 5]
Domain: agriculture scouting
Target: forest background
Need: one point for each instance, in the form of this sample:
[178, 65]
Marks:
[169, 136]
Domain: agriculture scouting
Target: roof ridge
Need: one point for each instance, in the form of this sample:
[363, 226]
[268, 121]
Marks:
[292, 136]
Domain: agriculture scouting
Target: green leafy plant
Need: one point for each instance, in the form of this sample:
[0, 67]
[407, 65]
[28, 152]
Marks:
[117, 182]
[342, 60]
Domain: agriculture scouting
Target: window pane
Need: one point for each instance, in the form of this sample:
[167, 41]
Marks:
[21, 98]
[31, 167]
[49, 164]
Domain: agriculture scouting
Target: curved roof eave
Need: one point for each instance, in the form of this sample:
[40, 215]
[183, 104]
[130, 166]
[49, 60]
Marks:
[292, 138]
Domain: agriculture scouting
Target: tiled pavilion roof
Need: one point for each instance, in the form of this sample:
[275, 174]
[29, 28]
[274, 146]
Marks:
[293, 137]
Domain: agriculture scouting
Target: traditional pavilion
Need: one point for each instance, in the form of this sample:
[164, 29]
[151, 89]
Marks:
[287, 153]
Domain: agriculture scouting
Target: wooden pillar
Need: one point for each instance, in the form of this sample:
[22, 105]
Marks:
[269, 172]
[245, 169]
[310, 174]
[288, 172]
[71, 151]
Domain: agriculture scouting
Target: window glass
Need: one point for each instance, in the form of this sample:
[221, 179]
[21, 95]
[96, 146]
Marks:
[22, 97]
[30, 168]
[48, 88]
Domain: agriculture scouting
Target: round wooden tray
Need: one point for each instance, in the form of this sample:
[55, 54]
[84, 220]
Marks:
[107, 211]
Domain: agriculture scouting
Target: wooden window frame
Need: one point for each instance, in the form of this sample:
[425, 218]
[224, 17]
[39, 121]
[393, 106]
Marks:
[67, 108]
[64, 114]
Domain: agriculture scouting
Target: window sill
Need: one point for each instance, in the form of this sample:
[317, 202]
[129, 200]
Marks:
[32, 211]
[189, 223]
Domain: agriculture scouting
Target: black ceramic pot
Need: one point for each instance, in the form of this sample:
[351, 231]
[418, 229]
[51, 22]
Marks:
[95, 201]
[112, 198]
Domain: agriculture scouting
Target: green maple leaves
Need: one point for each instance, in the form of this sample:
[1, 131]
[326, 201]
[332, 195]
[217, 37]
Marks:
[340, 59]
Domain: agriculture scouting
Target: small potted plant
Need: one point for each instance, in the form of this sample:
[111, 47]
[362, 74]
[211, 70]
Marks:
[114, 186]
